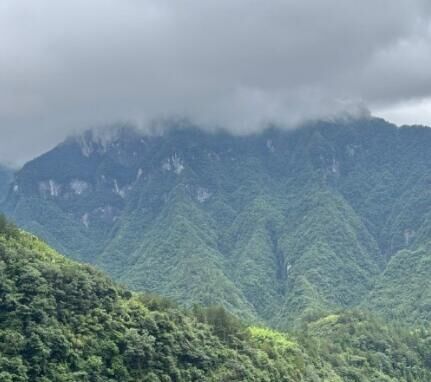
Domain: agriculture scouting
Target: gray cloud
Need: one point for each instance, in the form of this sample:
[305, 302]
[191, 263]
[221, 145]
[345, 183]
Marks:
[66, 65]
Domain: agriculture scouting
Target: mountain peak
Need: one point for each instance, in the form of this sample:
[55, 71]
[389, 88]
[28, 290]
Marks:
[101, 139]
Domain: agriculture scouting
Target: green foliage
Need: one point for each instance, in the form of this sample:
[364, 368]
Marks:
[7, 228]
[60, 321]
[268, 336]
[274, 227]
[362, 348]
[223, 324]
[403, 291]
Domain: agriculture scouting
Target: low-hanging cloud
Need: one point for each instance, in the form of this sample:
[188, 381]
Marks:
[238, 64]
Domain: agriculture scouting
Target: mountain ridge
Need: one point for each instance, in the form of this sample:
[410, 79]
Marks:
[273, 225]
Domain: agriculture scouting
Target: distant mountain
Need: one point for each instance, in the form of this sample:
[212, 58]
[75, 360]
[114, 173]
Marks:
[6, 175]
[273, 226]
[61, 321]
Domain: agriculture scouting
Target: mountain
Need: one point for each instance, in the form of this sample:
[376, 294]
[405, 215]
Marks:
[61, 321]
[274, 226]
[403, 291]
[6, 176]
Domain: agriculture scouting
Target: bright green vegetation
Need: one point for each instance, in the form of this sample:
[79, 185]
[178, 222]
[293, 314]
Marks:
[275, 227]
[61, 321]
[361, 348]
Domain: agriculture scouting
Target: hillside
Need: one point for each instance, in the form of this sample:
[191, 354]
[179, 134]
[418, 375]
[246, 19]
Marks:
[5, 181]
[61, 321]
[360, 347]
[274, 226]
[403, 291]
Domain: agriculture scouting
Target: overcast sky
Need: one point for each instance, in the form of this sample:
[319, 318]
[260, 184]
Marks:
[67, 65]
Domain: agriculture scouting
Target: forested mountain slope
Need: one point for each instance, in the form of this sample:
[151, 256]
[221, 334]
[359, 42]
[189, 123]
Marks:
[273, 226]
[61, 321]
[5, 180]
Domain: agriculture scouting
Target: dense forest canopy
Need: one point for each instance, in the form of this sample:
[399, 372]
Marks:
[61, 321]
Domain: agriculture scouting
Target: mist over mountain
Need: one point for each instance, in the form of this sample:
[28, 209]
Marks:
[216, 191]
[236, 65]
[275, 226]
